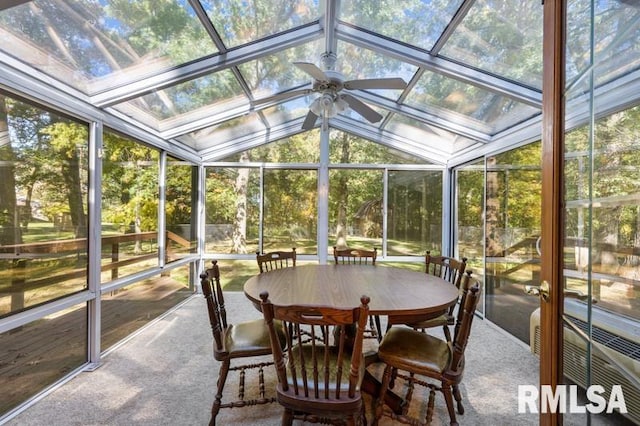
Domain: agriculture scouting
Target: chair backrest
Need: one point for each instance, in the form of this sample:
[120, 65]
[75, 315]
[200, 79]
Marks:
[326, 368]
[276, 260]
[212, 291]
[447, 268]
[470, 296]
[355, 256]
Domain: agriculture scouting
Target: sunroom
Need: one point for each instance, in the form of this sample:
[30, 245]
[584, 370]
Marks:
[139, 140]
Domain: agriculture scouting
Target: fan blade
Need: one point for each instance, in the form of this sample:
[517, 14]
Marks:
[281, 96]
[309, 121]
[361, 108]
[376, 83]
[312, 70]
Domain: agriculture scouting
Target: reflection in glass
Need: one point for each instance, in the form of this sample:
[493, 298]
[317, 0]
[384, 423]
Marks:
[512, 229]
[469, 214]
[232, 209]
[414, 213]
[181, 208]
[38, 354]
[129, 207]
[43, 206]
[290, 218]
[129, 308]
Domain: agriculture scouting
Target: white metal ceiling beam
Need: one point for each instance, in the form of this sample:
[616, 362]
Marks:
[439, 65]
[452, 25]
[209, 65]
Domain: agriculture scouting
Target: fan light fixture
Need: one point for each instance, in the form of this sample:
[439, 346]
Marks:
[328, 105]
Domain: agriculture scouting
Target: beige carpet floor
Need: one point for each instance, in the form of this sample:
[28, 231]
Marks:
[165, 375]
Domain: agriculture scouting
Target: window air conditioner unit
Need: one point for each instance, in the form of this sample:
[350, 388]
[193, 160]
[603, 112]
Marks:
[617, 336]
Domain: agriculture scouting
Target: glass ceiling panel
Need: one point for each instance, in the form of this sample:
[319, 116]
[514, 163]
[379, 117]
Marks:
[223, 132]
[300, 148]
[419, 23]
[276, 73]
[363, 151]
[617, 51]
[220, 90]
[491, 112]
[288, 111]
[501, 39]
[418, 131]
[242, 21]
[356, 63]
[83, 41]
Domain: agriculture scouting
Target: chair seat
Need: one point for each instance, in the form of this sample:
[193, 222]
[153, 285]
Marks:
[333, 362]
[248, 338]
[411, 350]
[442, 320]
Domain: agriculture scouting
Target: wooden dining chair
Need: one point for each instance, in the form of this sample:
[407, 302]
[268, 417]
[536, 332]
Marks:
[276, 260]
[420, 354]
[319, 382]
[349, 256]
[449, 269]
[236, 343]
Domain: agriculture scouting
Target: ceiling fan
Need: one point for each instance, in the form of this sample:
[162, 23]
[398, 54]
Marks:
[331, 85]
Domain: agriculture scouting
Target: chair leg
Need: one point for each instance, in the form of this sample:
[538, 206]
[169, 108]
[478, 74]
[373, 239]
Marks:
[222, 378]
[458, 397]
[379, 403]
[447, 332]
[287, 417]
[448, 397]
[378, 327]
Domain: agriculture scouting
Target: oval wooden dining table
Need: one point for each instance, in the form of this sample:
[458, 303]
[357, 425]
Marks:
[401, 294]
[393, 291]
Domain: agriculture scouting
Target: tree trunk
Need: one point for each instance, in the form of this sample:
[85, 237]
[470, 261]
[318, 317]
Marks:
[72, 178]
[493, 226]
[240, 223]
[10, 232]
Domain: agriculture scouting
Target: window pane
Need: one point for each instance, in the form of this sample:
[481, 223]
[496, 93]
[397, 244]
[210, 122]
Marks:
[181, 209]
[129, 207]
[301, 148]
[127, 309]
[102, 44]
[512, 228]
[469, 214]
[355, 209]
[43, 206]
[290, 218]
[346, 148]
[414, 206]
[232, 209]
[38, 354]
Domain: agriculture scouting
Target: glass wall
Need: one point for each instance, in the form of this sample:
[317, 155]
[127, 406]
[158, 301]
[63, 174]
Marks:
[414, 212]
[43, 205]
[512, 229]
[469, 218]
[290, 211]
[38, 354]
[181, 208]
[130, 191]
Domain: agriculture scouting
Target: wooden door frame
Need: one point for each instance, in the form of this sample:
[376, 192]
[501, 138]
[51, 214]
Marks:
[552, 223]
